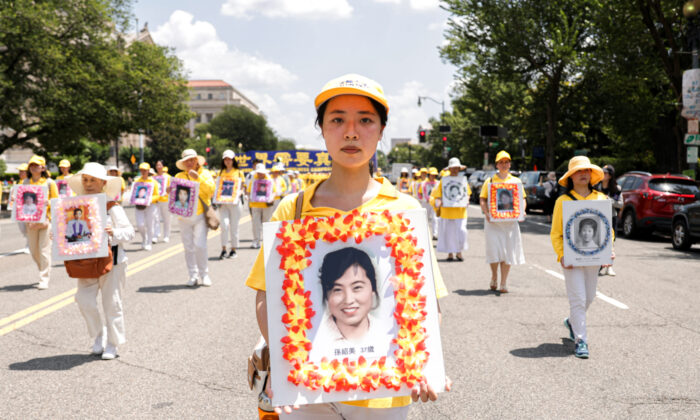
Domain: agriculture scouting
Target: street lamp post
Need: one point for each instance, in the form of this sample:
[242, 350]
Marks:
[208, 136]
[434, 100]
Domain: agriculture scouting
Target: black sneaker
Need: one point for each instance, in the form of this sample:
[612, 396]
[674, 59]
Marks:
[232, 254]
[223, 254]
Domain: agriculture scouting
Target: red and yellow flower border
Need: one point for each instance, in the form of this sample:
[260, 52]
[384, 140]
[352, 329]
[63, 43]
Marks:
[298, 239]
[493, 202]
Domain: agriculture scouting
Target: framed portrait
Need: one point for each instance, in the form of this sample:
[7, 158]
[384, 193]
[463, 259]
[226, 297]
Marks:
[588, 234]
[31, 203]
[227, 190]
[162, 183]
[79, 227]
[506, 201]
[428, 187]
[352, 311]
[404, 185]
[63, 188]
[183, 196]
[454, 191]
[141, 193]
[261, 191]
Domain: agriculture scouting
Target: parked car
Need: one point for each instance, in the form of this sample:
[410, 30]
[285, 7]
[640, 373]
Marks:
[686, 225]
[534, 191]
[651, 200]
[476, 180]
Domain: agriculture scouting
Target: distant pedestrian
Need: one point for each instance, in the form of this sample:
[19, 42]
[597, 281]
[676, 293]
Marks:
[550, 194]
[22, 169]
[146, 214]
[609, 187]
[230, 179]
[452, 225]
[260, 202]
[581, 281]
[93, 179]
[162, 205]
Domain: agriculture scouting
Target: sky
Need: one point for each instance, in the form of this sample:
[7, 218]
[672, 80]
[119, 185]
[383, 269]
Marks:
[280, 53]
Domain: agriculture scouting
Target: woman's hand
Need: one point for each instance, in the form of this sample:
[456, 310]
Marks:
[568, 267]
[37, 225]
[438, 202]
[611, 257]
[109, 230]
[193, 174]
[425, 392]
[268, 390]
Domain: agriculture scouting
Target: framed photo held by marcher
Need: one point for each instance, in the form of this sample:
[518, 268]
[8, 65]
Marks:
[141, 193]
[588, 234]
[261, 191]
[63, 188]
[162, 182]
[454, 191]
[506, 201]
[79, 227]
[227, 190]
[31, 203]
[352, 310]
[182, 197]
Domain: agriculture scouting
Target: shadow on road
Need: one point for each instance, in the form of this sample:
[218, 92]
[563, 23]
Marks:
[477, 292]
[61, 362]
[166, 288]
[565, 349]
[17, 287]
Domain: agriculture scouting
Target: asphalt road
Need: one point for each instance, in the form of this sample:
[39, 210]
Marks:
[507, 355]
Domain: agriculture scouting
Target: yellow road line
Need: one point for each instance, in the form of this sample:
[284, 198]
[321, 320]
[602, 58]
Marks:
[69, 295]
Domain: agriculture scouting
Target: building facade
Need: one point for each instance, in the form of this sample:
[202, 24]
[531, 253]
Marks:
[208, 98]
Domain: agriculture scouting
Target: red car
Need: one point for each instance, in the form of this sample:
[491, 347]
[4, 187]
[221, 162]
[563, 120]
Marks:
[651, 200]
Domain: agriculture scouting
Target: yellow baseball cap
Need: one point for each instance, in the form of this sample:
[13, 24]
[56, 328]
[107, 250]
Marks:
[352, 84]
[38, 160]
[433, 171]
[23, 167]
[502, 155]
[145, 166]
[64, 163]
[424, 170]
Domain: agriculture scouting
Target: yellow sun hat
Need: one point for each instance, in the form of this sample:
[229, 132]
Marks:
[433, 171]
[64, 163]
[423, 170]
[145, 166]
[502, 155]
[352, 84]
[578, 163]
[37, 160]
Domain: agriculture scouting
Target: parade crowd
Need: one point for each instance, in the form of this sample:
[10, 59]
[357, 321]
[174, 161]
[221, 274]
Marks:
[351, 113]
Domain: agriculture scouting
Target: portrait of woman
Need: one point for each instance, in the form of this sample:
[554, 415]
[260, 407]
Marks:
[227, 188]
[141, 193]
[504, 200]
[77, 230]
[261, 190]
[587, 234]
[29, 207]
[183, 198]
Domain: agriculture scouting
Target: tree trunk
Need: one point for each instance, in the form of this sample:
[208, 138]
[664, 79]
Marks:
[552, 117]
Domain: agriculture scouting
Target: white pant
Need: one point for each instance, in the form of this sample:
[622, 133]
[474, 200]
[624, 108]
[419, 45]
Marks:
[144, 223]
[338, 411]
[111, 285]
[193, 231]
[163, 215]
[452, 235]
[230, 217]
[40, 249]
[432, 218]
[581, 285]
[259, 215]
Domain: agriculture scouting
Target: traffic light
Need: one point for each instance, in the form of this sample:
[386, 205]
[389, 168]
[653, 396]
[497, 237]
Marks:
[208, 149]
[444, 139]
[421, 136]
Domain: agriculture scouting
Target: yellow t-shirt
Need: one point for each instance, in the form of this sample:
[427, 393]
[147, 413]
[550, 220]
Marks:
[206, 186]
[164, 194]
[388, 198]
[156, 187]
[62, 177]
[53, 192]
[557, 232]
[497, 179]
[448, 212]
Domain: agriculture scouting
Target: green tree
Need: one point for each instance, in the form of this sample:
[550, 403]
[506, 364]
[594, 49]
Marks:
[382, 160]
[237, 124]
[286, 144]
[3, 166]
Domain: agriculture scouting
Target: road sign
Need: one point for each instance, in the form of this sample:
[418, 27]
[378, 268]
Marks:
[692, 154]
[445, 129]
[692, 140]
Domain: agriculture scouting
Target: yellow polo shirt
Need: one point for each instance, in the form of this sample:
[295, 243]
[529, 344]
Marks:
[448, 212]
[156, 187]
[388, 198]
[206, 186]
[556, 234]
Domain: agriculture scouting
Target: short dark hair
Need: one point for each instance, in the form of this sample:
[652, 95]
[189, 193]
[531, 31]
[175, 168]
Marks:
[588, 221]
[182, 188]
[29, 194]
[337, 262]
[503, 191]
[77, 209]
[381, 111]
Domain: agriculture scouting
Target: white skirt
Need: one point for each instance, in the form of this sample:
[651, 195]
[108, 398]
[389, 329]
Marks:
[503, 243]
[452, 235]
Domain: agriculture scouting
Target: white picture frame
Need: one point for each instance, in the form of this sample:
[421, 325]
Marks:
[455, 191]
[588, 232]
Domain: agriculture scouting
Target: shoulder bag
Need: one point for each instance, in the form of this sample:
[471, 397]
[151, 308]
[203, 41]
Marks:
[210, 215]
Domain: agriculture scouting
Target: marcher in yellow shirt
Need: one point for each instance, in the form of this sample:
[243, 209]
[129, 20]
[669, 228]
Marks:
[230, 212]
[193, 230]
[352, 117]
[260, 201]
[503, 242]
[146, 215]
[38, 233]
[452, 226]
[64, 169]
[114, 171]
[162, 212]
[581, 282]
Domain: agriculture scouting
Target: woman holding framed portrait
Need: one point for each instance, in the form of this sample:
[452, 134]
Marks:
[146, 215]
[351, 112]
[22, 171]
[163, 179]
[228, 196]
[261, 200]
[38, 233]
[503, 241]
[451, 198]
[581, 282]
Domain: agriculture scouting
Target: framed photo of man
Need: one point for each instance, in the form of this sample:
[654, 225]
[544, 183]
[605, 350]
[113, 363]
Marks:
[79, 227]
[63, 188]
[352, 310]
[261, 191]
[588, 233]
[141, 193]
[227, 191]
[506, 201]
[455, 191]
[183, 196]
[31, 203]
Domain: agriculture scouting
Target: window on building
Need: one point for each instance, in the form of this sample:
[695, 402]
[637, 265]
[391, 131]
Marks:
[210, 96]
[222, 96]
[210, 117]
[198, 118]
[199, 96]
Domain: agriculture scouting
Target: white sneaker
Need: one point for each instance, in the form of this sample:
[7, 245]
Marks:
[192, 281]
[254, 245]
[206, 281]
[610, 272]
[99, 346]
[43, 285]
[166, 239]
[147, 247]
[110, 352]
[25, 250]
[155, 240]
